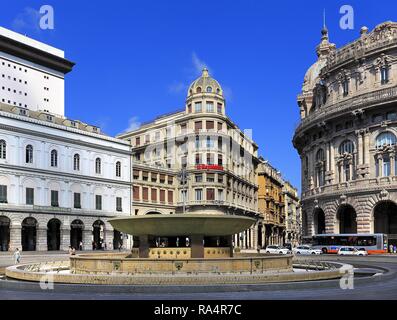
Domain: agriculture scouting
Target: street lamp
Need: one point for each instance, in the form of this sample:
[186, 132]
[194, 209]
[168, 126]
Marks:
[183, 177]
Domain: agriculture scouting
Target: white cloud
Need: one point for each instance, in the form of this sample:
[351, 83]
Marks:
[199, 64]
[133, 124]
[28, 20]
[177, 87]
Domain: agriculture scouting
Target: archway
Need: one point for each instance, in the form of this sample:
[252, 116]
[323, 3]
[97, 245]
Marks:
[29, 230]
[117, 239]
[53, 235]
[4, 233]
[385, 220]
[347, 218]
[319, 221]
[98, 233]
[76, 234]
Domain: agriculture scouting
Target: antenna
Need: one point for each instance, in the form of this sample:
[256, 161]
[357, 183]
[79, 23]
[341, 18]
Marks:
[324, 22]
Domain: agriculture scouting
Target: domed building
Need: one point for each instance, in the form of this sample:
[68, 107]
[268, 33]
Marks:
[347, 136]
[196, 160]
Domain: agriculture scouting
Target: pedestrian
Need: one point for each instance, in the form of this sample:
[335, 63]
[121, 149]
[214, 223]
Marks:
[17, 256]
[73, 251]
[391, 248]
[110, 245]
[394, 249]
[81, 246]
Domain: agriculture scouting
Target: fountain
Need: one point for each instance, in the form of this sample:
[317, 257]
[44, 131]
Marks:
[179, 249]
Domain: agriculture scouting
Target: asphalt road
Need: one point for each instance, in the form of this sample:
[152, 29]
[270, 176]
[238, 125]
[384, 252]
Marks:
[379, 287]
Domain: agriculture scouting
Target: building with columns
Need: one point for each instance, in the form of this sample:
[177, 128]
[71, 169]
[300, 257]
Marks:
[347, 136]
[293, 215]
[60, 179]
[196, 160]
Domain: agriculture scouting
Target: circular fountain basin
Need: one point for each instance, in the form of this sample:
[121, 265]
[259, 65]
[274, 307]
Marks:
[182, 225]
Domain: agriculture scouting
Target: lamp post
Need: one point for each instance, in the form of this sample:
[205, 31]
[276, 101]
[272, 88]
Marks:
[183, 177]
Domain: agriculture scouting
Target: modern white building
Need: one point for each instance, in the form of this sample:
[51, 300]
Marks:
[60, 179]
[32, 73]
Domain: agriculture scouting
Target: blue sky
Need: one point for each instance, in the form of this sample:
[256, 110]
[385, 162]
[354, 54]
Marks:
[135, 59]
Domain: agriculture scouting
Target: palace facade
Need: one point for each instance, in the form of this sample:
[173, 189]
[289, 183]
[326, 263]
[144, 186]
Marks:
[347, 136]
[60, 179]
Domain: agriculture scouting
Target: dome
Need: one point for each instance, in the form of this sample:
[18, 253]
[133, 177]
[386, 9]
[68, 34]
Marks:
[312, 76]
[205, 84]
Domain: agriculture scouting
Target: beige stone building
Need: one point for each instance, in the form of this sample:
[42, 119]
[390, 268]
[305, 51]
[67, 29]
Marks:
[347, 136]
[204, 145]
[293, 214]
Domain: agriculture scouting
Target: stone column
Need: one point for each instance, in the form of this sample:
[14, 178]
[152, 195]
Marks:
[360, 148]
[380, 165]
[197, 246]
[351, 175]
[87, 239]
[144, 246]
[366, 148]
[65, 238]
[392, 164]
[41, 239]
[15, 237]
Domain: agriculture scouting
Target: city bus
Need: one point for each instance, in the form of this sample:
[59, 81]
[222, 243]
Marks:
[330, 243]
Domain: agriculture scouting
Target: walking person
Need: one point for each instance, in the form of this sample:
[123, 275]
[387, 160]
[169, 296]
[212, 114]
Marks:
[17, 256]
[81, 246]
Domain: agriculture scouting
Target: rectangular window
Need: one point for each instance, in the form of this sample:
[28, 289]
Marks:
[392, 116]
[210, 106]
[220, 125]
[345, 85]
[3, 194]
[170, 180]
[154, 177]
[210, 125]
[136, 193]
[210, 159]
[210, 194]
[29, 196]
[77, 200]
[119, 204]
[162, 196]
[154, 195]
[170, 196]
[54, 198]
[220, 160]
[183, 128]
[384, 75]
[198, 125]
[162, 178]
[210, 143]
[219, 108]
[197, 107]
[136, 174]
[377, 118]
[198, 158]
[98, 202]
[157, 136]
[138, 141]
[220, 194]
[145, 175]
[145, 194]
[210, 177]
[198, 194]
[220, 178]
[199, 178]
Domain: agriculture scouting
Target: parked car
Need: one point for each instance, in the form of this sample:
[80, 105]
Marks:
[277, 250]
[351, 251]
[306, 250]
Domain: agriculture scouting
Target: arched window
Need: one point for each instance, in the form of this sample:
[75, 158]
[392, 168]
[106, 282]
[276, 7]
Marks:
[3, 149]
[118, 169]
[29, 154]
[209, 89]
[320, 155]
[98, 166]
[198, 89]
[385, 139]
[76, 162]
[346, 147]
[54, 158]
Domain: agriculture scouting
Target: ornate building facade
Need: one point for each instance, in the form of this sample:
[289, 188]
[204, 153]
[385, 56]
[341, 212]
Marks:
[60, 179]
[293, 215]
[196, 161]
[271, 204]
[347, 136]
